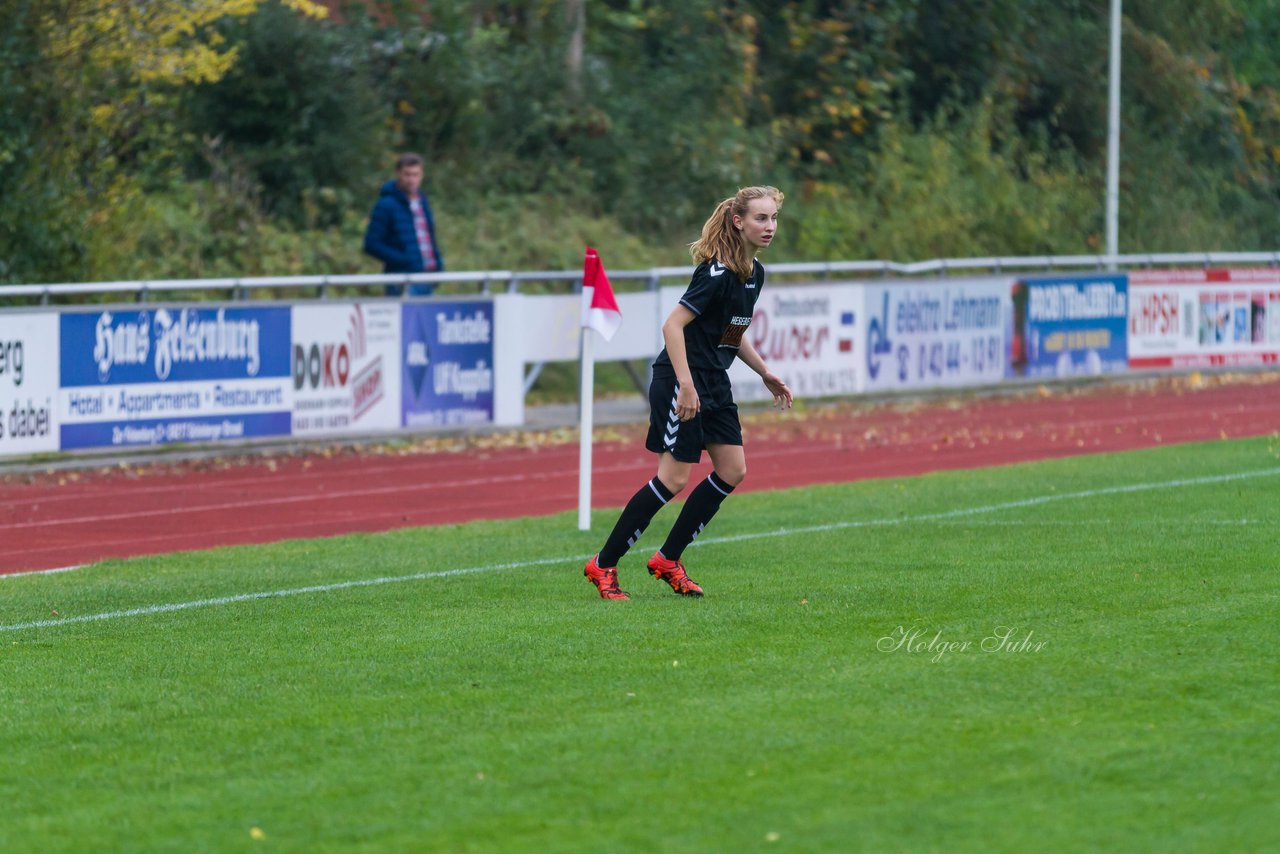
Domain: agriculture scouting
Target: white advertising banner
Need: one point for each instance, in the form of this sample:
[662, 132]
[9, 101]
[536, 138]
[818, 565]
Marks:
[809, 336]
[346, 368]
[945, 332]
[1204, 318]
[28, 383]
[554, 324]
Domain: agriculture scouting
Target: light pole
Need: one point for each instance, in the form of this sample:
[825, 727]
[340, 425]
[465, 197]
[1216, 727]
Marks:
[1113, 140]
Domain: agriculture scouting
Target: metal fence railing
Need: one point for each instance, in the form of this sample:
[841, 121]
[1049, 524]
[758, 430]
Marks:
[510, 281]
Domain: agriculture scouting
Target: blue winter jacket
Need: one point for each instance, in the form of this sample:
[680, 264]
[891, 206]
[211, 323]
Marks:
[391, 238]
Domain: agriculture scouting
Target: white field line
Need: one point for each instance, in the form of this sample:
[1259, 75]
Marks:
[6, 576]
[1080, 523]
[496, 567]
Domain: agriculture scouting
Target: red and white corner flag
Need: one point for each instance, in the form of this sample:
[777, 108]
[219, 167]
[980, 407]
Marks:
[599, 307]
[599, 312]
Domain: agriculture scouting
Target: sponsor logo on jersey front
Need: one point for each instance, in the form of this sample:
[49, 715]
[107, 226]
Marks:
[732, 336]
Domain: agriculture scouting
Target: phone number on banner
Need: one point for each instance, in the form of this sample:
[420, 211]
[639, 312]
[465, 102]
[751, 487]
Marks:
[923, 362]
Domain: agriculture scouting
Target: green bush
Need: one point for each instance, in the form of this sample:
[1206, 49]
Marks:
[543, 232]
[951, 189]
[210, 229]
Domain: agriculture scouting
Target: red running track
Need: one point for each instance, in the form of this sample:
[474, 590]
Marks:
[54, 520]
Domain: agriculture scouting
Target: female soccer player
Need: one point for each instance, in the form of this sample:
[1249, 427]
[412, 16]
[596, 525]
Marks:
[690, 400]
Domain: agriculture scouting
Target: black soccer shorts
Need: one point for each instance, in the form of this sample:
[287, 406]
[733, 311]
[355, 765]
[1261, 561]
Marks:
[715, 424]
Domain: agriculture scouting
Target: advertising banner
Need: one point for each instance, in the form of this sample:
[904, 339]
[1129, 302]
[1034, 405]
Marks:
[447, 364]
[346, 368]
[554, 324]
[1064, 326]
[28, 383]
[947, 332]
[174, 375]
[810, 336]
[1204, 318]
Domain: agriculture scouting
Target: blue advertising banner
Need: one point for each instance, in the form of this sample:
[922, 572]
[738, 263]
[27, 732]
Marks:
[174, 375]
[1065, 326]
[447, 358]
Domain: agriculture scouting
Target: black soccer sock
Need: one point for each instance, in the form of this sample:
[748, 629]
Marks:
[697, 512]
[635, 517]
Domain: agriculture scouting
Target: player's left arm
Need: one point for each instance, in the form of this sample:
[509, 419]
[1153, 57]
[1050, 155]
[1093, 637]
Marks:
[782, 396]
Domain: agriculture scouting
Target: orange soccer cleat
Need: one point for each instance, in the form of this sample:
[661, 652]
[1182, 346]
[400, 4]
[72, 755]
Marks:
[672, 572]
[605, 580]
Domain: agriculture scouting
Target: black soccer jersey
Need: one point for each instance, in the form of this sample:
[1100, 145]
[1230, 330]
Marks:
[723, 304]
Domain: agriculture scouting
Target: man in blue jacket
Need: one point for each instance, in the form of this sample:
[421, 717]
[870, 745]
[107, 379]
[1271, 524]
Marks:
[402, 232]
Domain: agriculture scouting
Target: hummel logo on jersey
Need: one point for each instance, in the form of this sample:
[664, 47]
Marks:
[751, 284]
[716, 268]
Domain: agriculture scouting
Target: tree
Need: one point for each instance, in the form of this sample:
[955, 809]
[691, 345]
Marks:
[300, 112]
[94, 96]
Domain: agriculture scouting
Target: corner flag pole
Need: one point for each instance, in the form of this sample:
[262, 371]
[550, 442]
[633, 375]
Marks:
[586, 407]
[599, 312]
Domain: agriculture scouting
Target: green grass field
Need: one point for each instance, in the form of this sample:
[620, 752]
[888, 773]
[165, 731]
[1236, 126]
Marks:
[802, 705]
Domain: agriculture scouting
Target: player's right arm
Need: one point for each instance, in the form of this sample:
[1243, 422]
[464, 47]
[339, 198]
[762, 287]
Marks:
[687, 402]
